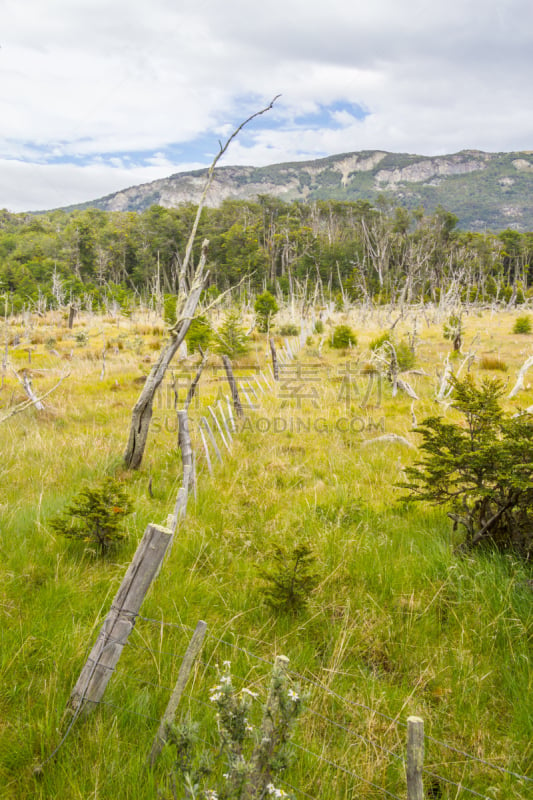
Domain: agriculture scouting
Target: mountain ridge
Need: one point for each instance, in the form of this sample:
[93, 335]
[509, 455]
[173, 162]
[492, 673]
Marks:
[487, 191]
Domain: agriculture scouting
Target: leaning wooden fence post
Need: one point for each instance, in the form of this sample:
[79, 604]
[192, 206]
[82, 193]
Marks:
[275, 369]
[120, 620]
[195, 645]
[415, 758]
[233, 386]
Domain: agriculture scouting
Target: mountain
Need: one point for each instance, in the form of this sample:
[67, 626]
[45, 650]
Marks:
[487, 191]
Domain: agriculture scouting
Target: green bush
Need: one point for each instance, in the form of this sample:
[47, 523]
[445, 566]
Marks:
[232, 340]
[319, 326]
[290, 579]
[169, 309]
[96, 515]
[480, 468]
[289, 330]
[380, 340]
[343, 337]
[199, 335]
[82, 338]
[405, 357]
[522, 324]
[265, 307]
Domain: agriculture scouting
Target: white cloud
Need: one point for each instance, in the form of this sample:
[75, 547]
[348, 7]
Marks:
[87, 81]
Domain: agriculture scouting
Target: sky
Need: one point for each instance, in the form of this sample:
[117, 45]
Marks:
[100, 95]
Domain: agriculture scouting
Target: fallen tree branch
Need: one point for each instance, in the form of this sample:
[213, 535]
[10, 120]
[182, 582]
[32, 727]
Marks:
[30, 402]
[389, 437]
[519, 385]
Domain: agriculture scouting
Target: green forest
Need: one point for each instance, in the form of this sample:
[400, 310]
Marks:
[345, 251]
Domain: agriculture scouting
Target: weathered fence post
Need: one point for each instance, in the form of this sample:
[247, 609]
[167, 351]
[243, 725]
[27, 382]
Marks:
[71, 315]
[184, 442]
[415, 758]
[233, 386]
[275, 369]
[195, 645]
[120, 620]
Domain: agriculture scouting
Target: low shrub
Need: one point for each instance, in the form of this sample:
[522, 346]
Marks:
[81, 338]
[480, 468]
[343, 337]
[404, 355]
[522, 324]
[199, 335]
[231, 338]
[289, 330]
[290, 579]
[265, 307]
[96, 515]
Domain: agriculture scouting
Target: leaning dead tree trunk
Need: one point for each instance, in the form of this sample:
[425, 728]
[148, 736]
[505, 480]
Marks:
[190, 286]
[142, 411]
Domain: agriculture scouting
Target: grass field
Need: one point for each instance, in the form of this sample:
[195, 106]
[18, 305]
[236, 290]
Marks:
[396, 625]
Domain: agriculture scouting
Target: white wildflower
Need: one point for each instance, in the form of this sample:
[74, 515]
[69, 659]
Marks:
[294, 696]
[249, 692]
[271, 789]
[210, 794]
[215, 697]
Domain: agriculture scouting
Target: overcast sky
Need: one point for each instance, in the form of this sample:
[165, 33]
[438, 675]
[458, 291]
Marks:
[99, 95]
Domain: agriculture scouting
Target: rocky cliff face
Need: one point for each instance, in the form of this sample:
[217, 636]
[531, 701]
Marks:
[487, 191]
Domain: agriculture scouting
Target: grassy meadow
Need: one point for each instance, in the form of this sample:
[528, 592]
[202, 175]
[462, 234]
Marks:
[397, 624]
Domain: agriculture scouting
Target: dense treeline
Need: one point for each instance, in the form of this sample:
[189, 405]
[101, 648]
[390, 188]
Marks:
[347, 250]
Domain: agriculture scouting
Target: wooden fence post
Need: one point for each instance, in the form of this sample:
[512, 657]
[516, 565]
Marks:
[275, 369]
[120, 620]
[233, 386]
[415, 758]
[71, 315]
[195, 645]
[184, 442]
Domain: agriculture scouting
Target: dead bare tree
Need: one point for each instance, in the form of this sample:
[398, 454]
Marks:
[33, 400]
[191, 282]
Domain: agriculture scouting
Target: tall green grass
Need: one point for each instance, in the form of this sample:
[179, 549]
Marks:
[397, 622]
